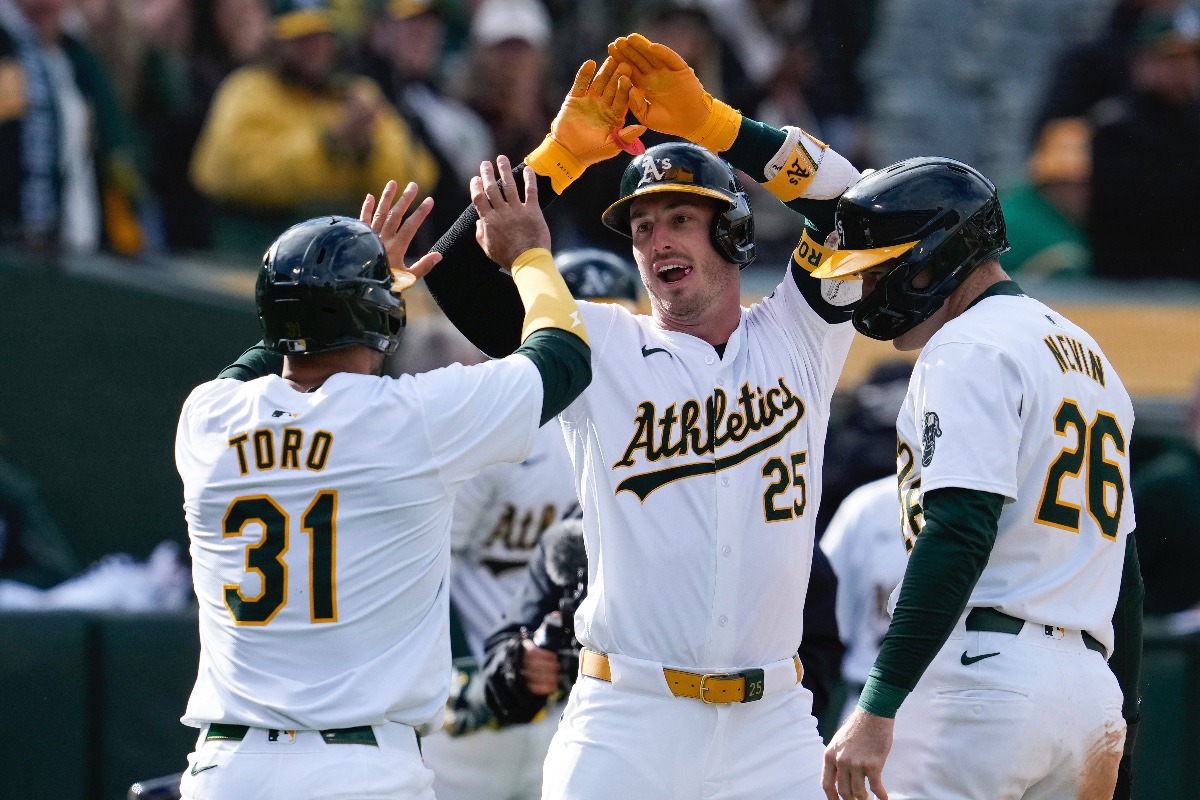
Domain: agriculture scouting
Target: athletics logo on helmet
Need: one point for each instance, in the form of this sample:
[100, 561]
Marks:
[933, 217]
[691, 169]
[598, 275]
[325, 284]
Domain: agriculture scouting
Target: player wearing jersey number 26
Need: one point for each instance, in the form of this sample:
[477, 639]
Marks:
[319, 503]
[1013, 465]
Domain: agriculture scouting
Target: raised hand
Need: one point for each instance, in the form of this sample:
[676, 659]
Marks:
[396, 232]
[669, 98]
[507, 226]
[590, 126]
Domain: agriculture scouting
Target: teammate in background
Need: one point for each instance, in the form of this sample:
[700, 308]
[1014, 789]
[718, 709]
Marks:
[499, 519]
[868, 559]
[698, 452]
[522, 677]
[1013, 466]
[319, 503]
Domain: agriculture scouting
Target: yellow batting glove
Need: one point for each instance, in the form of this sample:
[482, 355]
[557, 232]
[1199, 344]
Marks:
[590, 126]
[669, 98]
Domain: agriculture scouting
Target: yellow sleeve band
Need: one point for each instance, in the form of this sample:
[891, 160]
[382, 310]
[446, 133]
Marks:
[720, 129]
[808, 254]
[548, 302]
[551, 160]
[796, 174]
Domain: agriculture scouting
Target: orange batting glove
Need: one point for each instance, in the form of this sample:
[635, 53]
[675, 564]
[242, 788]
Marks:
[590, 126]
[669, 98]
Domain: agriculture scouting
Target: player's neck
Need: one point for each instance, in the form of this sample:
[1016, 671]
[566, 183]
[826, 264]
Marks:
[714, 324]
[308, 372]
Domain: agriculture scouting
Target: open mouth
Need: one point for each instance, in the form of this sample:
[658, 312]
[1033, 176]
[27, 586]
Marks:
[673, 273]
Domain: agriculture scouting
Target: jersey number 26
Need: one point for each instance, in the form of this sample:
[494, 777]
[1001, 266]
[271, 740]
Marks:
[1101, 473]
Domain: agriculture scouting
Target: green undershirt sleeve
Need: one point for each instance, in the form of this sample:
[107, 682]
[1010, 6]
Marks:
[756, 144]
[943, 567]
[565, 363]
[1126, 662]
[254, 363]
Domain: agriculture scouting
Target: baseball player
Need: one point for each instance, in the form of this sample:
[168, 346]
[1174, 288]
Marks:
[499, 519]
[1013, 468]
[319, 504]
[697, 453]
[868, 559]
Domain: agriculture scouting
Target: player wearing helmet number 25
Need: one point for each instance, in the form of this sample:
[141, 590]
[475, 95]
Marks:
[696, 452]
[1013, 468]
[319, 503]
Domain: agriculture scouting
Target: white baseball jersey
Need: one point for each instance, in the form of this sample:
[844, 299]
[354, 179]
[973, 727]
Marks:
[1014, 399]
[869, 561]
[499, 518]
[699, 476]
[320, 537]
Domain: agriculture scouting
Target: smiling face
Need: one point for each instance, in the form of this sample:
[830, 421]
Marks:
[688, 281]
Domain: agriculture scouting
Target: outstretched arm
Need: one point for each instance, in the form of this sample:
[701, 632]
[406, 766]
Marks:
[482, 302]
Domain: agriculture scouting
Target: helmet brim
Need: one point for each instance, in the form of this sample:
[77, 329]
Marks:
[849, 263]
[616, 216]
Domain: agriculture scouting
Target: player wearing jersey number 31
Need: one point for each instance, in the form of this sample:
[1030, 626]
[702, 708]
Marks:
[319, 503]
[1013, 465]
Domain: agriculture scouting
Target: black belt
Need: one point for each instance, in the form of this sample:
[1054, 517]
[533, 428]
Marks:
[994, 620]
[363, 734]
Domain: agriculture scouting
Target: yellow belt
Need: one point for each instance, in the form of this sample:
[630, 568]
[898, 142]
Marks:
[744, 686]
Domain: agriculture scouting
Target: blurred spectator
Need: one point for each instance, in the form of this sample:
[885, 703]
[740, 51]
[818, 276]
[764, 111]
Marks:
[294, 138]
[863, 447]
[966, 80]
[508, 74]
[33, 550]
[1046, 215]
[67, 171]
[1146, 160]
[403, 55]
[1098, 69]
[865, 545]
[1167, 495]
[184, 59]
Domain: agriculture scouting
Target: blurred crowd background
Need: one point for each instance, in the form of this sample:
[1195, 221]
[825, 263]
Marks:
[148, 128]
[150, 150]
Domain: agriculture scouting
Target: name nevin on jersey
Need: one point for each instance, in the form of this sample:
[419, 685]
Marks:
[290, 450]
[1071, 355]
[671, 434]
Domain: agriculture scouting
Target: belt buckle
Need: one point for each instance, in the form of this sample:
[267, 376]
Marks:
[712, 676]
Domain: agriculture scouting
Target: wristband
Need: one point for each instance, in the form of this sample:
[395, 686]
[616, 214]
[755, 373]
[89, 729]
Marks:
[808, 253]
[794, 168]
[881, 698]
[548, 302]
[720, 129]
[551, 160]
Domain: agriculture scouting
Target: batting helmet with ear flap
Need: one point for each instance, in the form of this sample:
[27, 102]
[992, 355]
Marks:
[928, 215]
[326, 284]
[690, 169]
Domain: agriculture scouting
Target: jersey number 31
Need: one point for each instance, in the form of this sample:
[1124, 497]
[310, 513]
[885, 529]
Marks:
[266, 557]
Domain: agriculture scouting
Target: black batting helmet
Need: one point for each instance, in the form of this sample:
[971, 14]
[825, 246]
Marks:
[326, 284]
[594, 274]
[691, 169]
[929, 214]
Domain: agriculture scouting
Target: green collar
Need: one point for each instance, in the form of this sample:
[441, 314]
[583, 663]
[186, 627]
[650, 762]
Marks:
[1009, 287]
